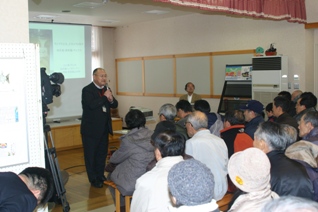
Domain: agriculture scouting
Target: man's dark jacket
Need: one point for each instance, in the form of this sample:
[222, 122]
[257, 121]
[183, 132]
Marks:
[251, 126]
[94, 119]
[288, 177]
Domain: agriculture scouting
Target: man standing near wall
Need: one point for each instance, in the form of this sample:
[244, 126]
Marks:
[97, 99]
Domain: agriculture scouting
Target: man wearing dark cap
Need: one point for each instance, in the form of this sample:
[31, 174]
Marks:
[253, 116]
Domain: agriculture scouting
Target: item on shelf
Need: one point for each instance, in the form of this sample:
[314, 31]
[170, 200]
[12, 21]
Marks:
[271, 51]
[259, 51]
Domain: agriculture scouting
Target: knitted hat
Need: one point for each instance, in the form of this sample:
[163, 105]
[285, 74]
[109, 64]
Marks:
[162, 127]
[253, 105]
[249, 170]
[191, 183]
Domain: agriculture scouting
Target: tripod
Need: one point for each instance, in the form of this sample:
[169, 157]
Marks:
[55, 169]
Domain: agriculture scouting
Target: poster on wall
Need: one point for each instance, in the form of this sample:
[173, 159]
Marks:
[13, 124]
[238, 72]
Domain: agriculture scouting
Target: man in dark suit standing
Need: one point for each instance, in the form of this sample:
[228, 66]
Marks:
[97, 99]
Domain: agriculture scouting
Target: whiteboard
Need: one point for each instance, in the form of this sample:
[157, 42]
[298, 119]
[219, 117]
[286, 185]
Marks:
[195, 70]
[167, 75]
[130, 74]
[159, 76]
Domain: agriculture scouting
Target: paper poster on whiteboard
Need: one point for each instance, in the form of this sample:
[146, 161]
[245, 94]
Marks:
[13, 125]
[238, 72]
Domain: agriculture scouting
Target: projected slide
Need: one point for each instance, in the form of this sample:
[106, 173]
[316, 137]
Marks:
[62, 48]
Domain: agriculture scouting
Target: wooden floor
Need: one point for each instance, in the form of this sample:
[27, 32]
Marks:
[79, 193]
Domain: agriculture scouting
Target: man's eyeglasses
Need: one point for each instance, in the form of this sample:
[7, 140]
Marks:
[101, 76]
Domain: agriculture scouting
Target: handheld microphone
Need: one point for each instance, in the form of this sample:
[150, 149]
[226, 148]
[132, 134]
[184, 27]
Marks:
[107, 87]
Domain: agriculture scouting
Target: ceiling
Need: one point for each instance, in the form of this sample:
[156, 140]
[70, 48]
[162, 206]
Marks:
[107, 13]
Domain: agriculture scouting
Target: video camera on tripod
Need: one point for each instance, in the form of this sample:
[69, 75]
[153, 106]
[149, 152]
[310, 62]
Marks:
[48, 91]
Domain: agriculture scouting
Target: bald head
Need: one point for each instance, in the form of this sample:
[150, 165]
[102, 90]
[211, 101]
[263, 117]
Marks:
[295, 95]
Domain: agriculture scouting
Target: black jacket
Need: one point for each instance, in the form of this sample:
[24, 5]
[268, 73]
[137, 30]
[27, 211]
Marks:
[288, 177]
[285, 118]
[94, 119]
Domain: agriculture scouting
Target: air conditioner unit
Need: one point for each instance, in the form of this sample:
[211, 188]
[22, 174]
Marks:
[269, 77]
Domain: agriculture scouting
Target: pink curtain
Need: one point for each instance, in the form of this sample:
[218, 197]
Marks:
[290, 10]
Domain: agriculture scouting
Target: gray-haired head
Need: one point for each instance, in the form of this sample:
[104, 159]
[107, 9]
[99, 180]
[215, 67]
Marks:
[276, 136]
[169, 111]
[291, 204]
[198, 120]
[312, 117]
[290, 134]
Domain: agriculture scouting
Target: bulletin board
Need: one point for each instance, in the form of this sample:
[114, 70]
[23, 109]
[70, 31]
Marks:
[21, 128]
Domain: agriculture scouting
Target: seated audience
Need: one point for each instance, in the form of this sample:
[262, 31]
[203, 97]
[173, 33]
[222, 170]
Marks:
[295, 96]
[273, 139]
[190, 96]
[132, 157]
[306, 102]
[291, 204]
[191, 186]
[308, 127]
[168, 112]
[24, 192]
[160, 128]
[208, 149]
[269, 112]
[253, 116]
[249, 170]
[215, 123]
[280, 111]
[306, 153]
[233, 133]
[151, 190]
[184, 108]
[306, 150]
[291, 108]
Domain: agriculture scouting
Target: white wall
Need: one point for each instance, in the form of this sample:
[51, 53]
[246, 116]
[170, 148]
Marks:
[14, 22]
[209, 33]
[311, 11]
[109, 56]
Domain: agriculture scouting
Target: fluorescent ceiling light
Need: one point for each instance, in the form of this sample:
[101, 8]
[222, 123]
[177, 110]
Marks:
[90, 5]
[46, 16]
[109, 21]
[157, 12]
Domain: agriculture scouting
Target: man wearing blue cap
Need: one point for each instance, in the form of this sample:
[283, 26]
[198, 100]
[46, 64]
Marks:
[253, 116]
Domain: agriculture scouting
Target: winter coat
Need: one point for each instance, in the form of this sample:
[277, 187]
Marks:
[132, 157]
